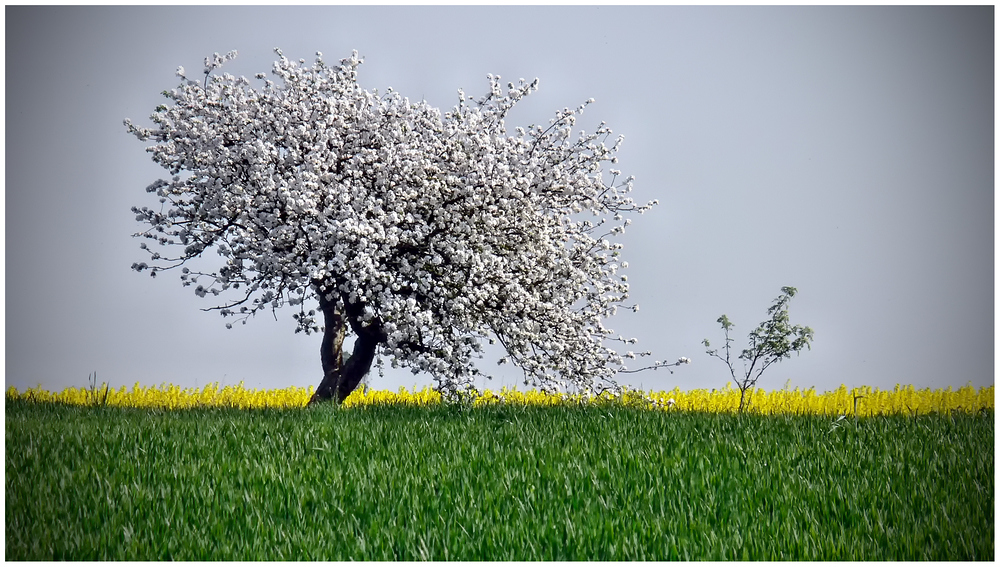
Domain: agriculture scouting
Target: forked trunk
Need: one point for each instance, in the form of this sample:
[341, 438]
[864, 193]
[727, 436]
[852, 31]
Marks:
[341, 377]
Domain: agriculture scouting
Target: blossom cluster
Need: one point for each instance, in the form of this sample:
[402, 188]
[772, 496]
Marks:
[435, 231]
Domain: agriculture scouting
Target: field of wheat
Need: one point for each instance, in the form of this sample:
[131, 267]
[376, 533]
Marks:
[244, 475]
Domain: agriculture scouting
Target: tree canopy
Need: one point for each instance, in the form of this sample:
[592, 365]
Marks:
[429, 233]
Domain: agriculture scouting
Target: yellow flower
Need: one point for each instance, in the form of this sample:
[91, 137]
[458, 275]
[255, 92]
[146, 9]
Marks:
[862, 401]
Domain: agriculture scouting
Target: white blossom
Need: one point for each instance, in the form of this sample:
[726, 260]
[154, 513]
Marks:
[434, 230]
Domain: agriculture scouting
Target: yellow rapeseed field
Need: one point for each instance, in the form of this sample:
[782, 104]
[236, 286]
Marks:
[864, 401]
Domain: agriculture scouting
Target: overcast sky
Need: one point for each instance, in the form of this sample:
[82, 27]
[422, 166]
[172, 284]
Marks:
[845, 151]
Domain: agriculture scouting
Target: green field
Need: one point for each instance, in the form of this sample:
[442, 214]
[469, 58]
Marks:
[493, 483]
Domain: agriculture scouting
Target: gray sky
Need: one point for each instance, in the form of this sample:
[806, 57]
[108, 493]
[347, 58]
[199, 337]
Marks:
[846, 151]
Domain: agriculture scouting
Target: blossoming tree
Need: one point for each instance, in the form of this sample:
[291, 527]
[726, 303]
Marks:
[420, 233]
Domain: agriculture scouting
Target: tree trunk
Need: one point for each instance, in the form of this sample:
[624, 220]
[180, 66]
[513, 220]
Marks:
[341, 377]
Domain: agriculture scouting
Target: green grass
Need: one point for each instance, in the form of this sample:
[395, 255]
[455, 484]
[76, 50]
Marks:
[495, 483]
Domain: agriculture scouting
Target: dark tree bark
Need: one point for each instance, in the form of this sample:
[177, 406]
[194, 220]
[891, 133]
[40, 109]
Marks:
[340, 378]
